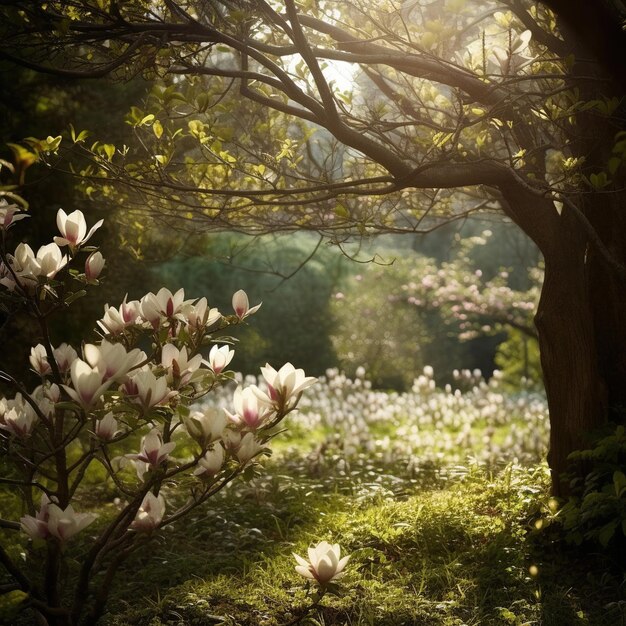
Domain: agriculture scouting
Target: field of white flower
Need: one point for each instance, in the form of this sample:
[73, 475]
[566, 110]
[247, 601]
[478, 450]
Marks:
[474, 419]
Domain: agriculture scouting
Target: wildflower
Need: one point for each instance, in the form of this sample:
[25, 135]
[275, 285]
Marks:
[324, 564]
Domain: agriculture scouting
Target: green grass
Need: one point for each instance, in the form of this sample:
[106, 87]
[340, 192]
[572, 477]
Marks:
[451, 553]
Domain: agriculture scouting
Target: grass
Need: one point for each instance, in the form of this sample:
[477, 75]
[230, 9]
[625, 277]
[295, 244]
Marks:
[434, 539]
[457, 552]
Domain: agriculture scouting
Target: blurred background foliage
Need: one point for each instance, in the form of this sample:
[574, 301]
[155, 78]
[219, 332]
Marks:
[320, 308]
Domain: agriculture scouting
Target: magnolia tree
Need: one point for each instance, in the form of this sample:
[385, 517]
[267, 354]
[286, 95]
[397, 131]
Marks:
[130, 390]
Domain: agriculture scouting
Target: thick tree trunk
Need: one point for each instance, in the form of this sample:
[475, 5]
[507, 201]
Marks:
[576, 392]
[581, 320]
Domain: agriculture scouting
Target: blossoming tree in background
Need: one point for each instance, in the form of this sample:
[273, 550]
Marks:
[130, 390]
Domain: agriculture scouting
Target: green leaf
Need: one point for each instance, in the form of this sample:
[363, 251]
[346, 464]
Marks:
[606, 533]
[146, 120]
[109, 149]
[74, 296]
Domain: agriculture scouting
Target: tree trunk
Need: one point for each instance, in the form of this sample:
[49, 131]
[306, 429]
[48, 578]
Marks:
[576, 392]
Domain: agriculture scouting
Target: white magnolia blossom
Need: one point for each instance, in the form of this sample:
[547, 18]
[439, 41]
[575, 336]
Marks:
[39, 360]
[206, 426]
[180, 369]
[220, 357]
[18, 418]
[248, 448]
[9, 214]
[241, 305]
[106, 428]
[198, 315]
[73, 229]
[324, 565]
[94, 265]
[250, 411]
[163, 305]
[65, 523]
[88, 384]
[211, 462]
[111, 359]
[283, 386]
[64, 355]
[150, 513]
[148, 390]
[153, 450]
[36, 527]
[116, 320]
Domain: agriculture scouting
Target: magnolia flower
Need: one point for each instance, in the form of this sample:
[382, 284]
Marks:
[19, 421]
[45, 397]
[23, 262]
[111, 359]
[73, 229]
[220, 357]
[116, 320]
[211, 462]
[324, 563]
[64, 524]
[153, 450]
[88, 384]
[150, 390]
[49, 260]
[37, 527]
[199, 316]
[248, 412]
[232, 440]
[241, 305]
[94, 265]
[284, 385]
[163, 304]
[106, 428]
[248, 448]
[205, 427]
[64, 355]
[150, 513]
[180, 370]
[39, 360]
[9, 215]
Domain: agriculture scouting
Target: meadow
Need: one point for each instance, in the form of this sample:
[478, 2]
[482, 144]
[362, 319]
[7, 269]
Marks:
[438, 495]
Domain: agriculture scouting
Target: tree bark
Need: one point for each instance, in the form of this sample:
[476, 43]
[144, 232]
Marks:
[575, 389]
